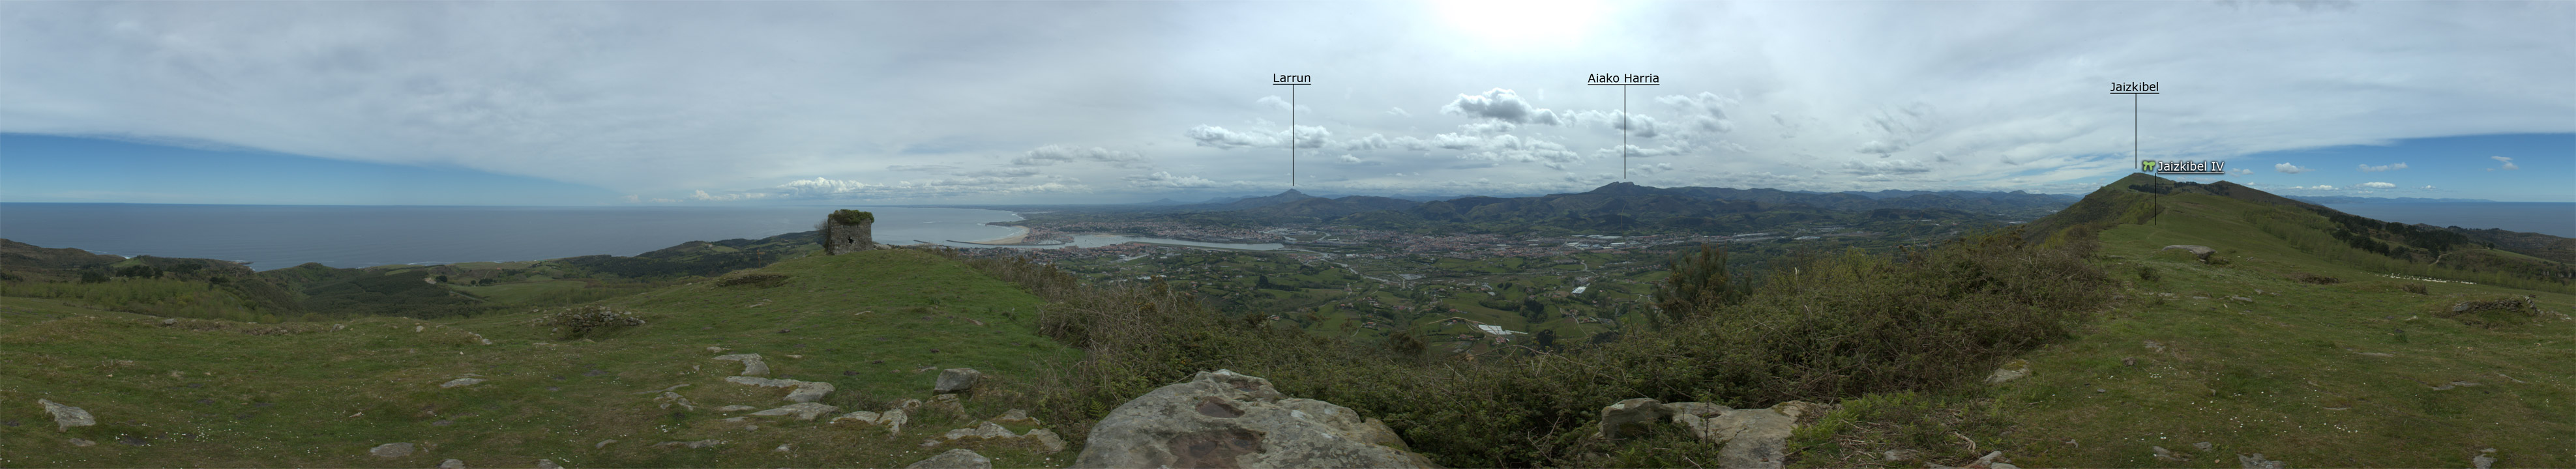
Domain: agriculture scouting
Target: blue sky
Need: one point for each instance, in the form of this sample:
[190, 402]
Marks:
[584, 103]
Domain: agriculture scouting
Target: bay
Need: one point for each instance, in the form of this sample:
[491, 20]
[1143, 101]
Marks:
[280, 236]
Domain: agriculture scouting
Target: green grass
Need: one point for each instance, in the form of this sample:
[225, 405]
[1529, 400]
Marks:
[213, 393]
[2284, 374]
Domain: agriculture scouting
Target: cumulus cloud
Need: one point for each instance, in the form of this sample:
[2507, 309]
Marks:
[1052, 154]
[1498, 104]
[2376, 185]
[1276, 103]
[2319, 187]
[2508, 163]
[2373, 169]
[1398, 112]
[1167, 180]
[2240, 171]
[1886, 167]
[929, 168]
[1704, 112]
[2290, 168]
[1307, 136]
[1348, 159]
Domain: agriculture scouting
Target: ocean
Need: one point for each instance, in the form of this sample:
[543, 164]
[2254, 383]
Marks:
[281, 236]
[2549, 218]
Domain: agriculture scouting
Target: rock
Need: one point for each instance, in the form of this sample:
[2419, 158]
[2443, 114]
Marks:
[948, 403]
[735, 408]
[1047, 441]
[988, 430]
[802, 410]
[805, 391]
[669, 399]
[784, 449]
[1701, 409]
[909, 405]
[1632, 417]
[892, 419]
[2483, 460]
[547, 464]
[391, 450]
[751, 364]
[692, 444]
[1224, 419]
[460, 382]
[960, 458]
[452, 463]
[2376, 354]
[957, 380]
[603, 444]
[2257, 462]
[2203, 446]
[170, 321]
[66, 417]
[713, 349]
[1015, 417]
[1800, 409]
[1756, 438]
[1896, 455]
[2163, 454]
[2241, 299]
[2006, 374]
[2129, 361]
[83, 443]
[2201, 252]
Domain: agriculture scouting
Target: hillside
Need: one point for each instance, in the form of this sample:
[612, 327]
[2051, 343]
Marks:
[229, 394]
[2289, 344]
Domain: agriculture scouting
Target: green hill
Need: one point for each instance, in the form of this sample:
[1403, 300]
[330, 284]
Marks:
[221, 393]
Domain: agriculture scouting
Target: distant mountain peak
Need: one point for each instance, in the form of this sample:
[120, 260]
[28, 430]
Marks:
[1623, 188]
[1292, 192]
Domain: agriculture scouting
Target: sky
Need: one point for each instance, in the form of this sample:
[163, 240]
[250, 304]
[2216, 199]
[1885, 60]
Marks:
[615, 103]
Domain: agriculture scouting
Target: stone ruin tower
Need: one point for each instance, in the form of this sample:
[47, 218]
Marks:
[847, 231]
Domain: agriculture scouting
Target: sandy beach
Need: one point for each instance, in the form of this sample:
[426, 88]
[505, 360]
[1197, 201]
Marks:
[1014, 238]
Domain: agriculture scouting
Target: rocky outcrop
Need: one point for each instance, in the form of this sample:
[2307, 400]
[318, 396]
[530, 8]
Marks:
[1040, 440]
[892, 419]
[804, 391]
[1755, 438]
[956, 380]
[66, 417]
[452, 463]
[2199, 251]
[1224, 419]
[460, 382]
[802, 411]
[954, 459]
[751, 364]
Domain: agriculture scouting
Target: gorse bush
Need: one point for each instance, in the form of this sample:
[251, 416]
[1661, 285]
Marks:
[1821, 328]
[583, 321]
[852, 217]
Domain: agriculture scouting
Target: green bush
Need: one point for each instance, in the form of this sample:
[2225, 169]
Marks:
[756, 280]
[852, 217]
[575, 323]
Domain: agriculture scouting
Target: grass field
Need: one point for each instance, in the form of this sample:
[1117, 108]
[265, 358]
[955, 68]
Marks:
[213, 393]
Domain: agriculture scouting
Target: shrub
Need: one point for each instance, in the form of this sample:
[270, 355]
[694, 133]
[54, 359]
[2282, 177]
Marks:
[852, 217]
[2412, 287]
[579, 322]
[2147, 273]
[757, 280]
[1696, 285]
[2314, 278]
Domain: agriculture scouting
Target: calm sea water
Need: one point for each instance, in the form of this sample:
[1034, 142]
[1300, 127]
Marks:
[2549, 218]
[281, 236]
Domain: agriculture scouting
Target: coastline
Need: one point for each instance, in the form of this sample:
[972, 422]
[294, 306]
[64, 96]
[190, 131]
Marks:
[1015, 238]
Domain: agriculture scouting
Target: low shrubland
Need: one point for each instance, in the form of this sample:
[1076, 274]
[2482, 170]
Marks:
[1820, 327]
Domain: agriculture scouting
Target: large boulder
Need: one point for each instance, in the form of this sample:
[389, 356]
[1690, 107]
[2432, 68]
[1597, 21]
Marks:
[2199, 251]
[391, 450]
[1632, 417]
[1224, 419]
[804, 391]
[957, 380]
[66, 417]
[751, 364]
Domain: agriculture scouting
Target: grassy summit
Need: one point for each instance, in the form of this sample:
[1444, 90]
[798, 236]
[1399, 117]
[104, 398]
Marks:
[218, 393]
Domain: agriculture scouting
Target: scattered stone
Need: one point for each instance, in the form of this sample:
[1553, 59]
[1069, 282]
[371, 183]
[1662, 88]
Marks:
[957, 380]
[669, 399]
[82, 443]
[909, 405]
[713, 349]
[960, 458]
[460, 382]
[1632, 416]
[547, 464]
[2198, 251]
[391, 450]
[2257, 462]
[692, 444]
[1896, 455]
[805, 391]
[947, 403]
[2203, 446]
[784, 448]
[66, 417]
[1047, 441]
[802, 410]
[2010, 371]
[987, 431]
[2484, 459]
[170, 321]
[2241, 299]
[2167, 455]
[751, 364]
[452, 463]
[1224, 419]
[2376, 354]
[602, 444]
[735, 408]
[2129, 361]
[1015, 417]
[419, 328]
[2156, 346]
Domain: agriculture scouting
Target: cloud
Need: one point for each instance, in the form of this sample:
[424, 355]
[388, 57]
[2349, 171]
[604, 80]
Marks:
[2373, 169]
[1307, 136]
[1167, 180]
[2426, 187]
[1052, 154]
[1498, 104]
[2240, 171]
[1705, 112]
[1348, 159]
[2508, 163]
[930, 168]
[2319, 187]
[2376, 185]
[2290, 168]
[1276, 103]
[1886, 167]
[1398, 112]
